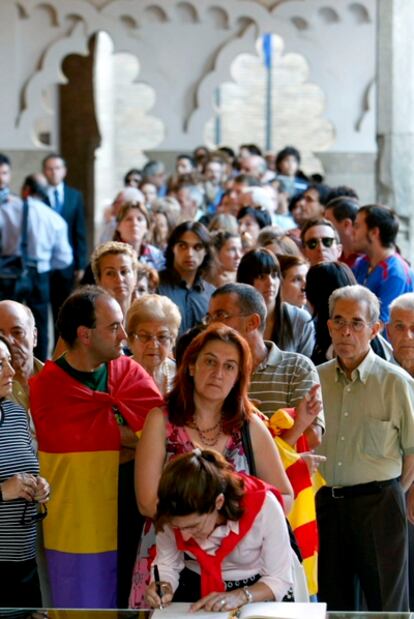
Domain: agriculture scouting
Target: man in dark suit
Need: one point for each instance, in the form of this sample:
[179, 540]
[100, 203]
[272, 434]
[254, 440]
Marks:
[68, 202]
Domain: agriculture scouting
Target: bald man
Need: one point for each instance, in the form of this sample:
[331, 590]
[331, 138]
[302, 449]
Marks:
[17, 325]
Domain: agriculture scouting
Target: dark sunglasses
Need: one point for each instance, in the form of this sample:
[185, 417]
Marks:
[327, 241]
[26, 519]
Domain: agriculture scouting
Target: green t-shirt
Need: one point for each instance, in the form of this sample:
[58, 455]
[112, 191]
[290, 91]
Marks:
[96, 380]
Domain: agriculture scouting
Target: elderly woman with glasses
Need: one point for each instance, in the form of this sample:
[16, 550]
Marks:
[152, 326]
[21, 491]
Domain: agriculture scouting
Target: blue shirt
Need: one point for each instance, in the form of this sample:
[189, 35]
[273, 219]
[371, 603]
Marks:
[192, 302]
[390, 278]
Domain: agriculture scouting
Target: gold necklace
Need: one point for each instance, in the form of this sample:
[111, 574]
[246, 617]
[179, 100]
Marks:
[209, 441]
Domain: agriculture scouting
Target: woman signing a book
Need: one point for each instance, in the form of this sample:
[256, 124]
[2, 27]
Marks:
[222, 539]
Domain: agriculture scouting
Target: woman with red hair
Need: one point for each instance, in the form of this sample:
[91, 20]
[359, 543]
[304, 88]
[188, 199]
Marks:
[208, 407]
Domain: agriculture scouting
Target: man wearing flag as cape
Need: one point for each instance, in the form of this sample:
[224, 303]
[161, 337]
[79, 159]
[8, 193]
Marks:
[88, 407]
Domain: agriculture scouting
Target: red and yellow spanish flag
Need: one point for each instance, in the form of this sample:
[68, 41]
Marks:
[79, 446]
[302, 516]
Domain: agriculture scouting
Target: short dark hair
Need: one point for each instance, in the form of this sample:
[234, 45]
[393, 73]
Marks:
[132, 172]
[78, 310]
[253, 149]
[257, 262]
[189, 226]
[227, 151]
[185, 156]
[250, 300]
[318, 221]
[288, 151]
[383, 218]
[343, 208]
[53, 156]
[191, 483]
[342, 191]
[322, 190]
[261, 216]
[34, 188]
[321, 281]
[4, 160]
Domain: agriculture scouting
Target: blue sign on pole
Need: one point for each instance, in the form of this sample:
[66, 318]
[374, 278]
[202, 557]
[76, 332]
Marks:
[267, 57]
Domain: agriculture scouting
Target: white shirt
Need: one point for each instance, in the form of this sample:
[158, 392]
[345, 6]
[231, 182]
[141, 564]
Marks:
[47, 234]
[264, 550]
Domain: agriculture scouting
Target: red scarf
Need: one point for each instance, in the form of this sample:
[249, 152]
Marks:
[70, 417]
[252, 501]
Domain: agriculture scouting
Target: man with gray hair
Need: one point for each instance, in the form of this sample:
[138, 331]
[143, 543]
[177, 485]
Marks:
[400, 331]
[192, 202]
[17, 325]
[369, 449]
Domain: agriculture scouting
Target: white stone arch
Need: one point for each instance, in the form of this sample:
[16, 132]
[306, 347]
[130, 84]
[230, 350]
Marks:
[182, 96]
[126, 22]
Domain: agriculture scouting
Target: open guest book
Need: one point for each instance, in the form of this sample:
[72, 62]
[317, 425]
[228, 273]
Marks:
[257, 610]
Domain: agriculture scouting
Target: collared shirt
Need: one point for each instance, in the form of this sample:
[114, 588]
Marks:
[390, 278]
[264, 550]
[282, 380]
[192, 302]
[370, 421]
[47, 234]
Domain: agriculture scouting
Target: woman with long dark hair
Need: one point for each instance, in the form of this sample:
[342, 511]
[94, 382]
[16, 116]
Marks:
[321, 281]
[288, 326]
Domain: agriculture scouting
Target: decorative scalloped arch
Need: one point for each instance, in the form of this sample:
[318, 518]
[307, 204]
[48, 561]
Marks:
[126, 20]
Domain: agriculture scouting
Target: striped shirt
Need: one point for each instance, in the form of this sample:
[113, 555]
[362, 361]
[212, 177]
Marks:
[282, 380]
[17, 542]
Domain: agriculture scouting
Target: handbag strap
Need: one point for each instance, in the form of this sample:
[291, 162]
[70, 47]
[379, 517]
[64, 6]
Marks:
[247, 446]
[24, 240]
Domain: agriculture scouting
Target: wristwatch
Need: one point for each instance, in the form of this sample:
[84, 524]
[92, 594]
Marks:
[248, 594]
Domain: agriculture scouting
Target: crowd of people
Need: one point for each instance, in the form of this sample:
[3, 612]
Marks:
[224, 412]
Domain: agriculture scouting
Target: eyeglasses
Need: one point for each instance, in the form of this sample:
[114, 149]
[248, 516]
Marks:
[144, 338]
[327, 241]
[220, 316]
[355, 324]
[26, 519]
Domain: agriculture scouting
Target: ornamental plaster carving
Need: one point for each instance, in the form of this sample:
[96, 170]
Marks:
[181, 46]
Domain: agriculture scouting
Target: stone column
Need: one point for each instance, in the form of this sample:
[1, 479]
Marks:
[395, 131]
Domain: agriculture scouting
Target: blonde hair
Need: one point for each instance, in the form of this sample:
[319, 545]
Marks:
[153, 307]
[111, 248]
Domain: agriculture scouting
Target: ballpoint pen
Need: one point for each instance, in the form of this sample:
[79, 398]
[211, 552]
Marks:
[158, 584]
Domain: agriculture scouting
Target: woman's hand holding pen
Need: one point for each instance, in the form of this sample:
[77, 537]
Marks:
[158, 594]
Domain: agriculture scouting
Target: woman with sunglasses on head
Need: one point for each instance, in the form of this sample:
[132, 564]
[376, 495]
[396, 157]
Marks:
[21, 492]
[288, 326]
[152, 325]
[222, 539]
[208, 407]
